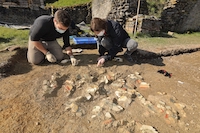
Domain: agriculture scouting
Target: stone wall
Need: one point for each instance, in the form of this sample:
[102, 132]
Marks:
[20, 15]
[145, 24]
[80, 13]
[26, 16]
[119, 10]
[178, 15]
[36, 4]
[150, 26]
[181, 16]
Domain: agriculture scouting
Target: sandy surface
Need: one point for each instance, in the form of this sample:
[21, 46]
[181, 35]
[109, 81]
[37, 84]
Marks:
[168, 105]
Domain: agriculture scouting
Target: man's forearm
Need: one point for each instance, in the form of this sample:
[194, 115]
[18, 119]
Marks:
[39, 46]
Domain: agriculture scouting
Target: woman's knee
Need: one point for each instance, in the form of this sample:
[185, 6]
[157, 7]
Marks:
[132, 45]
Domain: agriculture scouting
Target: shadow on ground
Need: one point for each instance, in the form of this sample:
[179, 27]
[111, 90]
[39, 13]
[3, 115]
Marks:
[139, 56]
[16, 64]
[4, 40]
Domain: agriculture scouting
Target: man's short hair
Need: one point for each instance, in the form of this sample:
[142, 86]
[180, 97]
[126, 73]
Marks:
[62, 17]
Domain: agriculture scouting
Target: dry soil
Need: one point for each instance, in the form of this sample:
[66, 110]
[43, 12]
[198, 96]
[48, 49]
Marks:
[24, 108]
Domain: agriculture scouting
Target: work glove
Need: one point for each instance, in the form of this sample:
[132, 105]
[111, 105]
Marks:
[74, 61]
[50, 57]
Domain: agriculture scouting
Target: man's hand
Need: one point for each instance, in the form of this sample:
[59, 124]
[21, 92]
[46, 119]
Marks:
[50, 57]
[74, 61]
[101, 61]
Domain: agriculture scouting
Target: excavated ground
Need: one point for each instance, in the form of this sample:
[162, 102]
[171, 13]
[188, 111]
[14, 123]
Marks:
[168, 104]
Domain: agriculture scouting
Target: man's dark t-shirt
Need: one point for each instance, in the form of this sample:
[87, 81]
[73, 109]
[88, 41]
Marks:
[43, 29]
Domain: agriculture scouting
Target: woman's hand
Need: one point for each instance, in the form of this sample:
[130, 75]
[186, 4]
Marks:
[101, 61]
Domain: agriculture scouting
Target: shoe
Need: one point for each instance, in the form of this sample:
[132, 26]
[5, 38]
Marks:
[128, 58]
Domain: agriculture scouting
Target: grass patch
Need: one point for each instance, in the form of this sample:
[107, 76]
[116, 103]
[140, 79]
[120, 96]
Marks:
[168, 41]
[65, 3]
[10, 37]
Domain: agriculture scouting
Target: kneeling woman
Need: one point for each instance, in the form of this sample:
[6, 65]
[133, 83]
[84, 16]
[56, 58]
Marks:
[111, 38]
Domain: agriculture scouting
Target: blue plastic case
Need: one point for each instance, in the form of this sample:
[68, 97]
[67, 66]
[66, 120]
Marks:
[84, 40]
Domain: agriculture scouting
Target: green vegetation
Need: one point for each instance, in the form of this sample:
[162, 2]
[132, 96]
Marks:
[155, 7]
[65, 3]
[186, 39]
[10, 36]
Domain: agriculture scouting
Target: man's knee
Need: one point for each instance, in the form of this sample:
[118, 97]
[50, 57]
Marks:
[35, 61]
